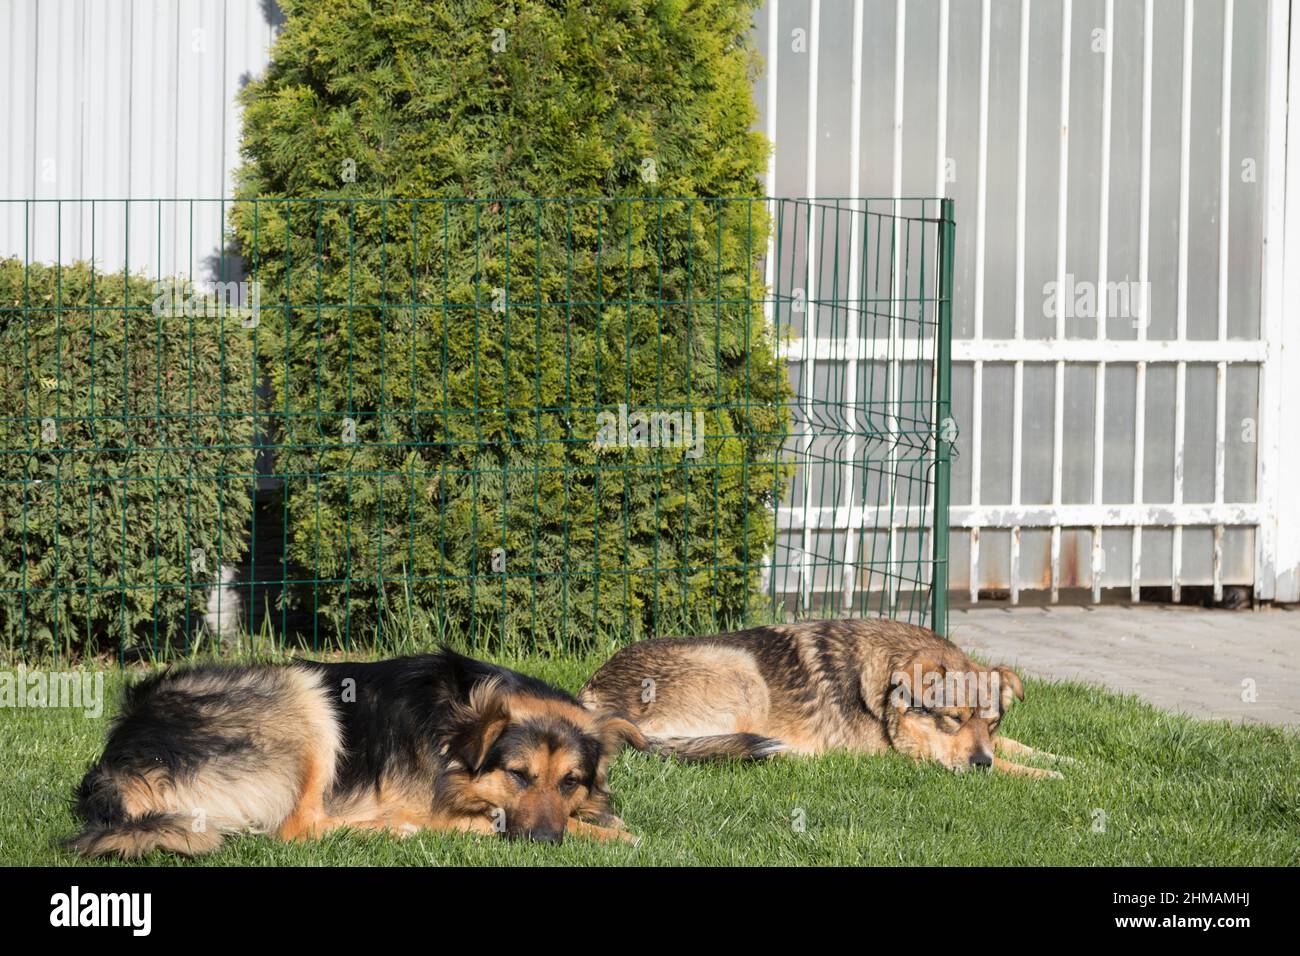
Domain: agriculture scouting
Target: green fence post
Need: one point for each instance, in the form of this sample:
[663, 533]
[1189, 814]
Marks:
[943, 421]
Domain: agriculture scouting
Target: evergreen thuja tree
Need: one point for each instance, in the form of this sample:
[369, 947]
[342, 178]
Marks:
[484, 230]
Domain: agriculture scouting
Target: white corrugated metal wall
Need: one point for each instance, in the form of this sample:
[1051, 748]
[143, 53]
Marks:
[1134, 154]
[1086, 142]
[114, 99]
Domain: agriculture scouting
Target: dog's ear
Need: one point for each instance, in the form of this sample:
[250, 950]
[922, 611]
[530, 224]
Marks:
[479, 723]
[1011, 688]
[612, 730]
[910, 686]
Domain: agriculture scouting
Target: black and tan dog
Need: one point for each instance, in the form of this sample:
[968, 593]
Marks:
[438, 741]
[864, 685]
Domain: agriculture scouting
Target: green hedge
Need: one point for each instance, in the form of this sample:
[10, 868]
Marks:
[125, 459]
[474, 425]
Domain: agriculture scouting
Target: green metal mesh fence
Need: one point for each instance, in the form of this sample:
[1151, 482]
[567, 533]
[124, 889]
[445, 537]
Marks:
[505, 423]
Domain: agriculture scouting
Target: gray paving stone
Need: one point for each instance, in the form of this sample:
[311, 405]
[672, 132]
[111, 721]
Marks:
[1186, 660]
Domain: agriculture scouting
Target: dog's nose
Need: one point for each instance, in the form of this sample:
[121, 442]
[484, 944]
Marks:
[546, 835]
[981, 760]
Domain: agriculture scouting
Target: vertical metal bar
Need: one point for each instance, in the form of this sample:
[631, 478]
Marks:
[1144, 314]
[1103, 252]
[855, 312]
[977, 371]
[1018, 386]
[1225, 159]
[769, 128]
[1277, 538]
[895, 297]
[1022, 168]
[1221, 371]
[941, 107]
[1220, 423]
[1017, 445]
[810, 315]
[1180, 431]
[943, 408]
[1180, 376]
[939, 548]
[769, 267]
[900, 53]
[1062, 211]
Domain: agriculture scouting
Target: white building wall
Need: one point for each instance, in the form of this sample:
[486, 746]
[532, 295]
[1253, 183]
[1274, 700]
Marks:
[123, 99]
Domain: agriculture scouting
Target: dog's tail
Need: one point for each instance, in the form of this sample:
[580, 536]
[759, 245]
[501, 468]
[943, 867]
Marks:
[109, 831]
[716, 747]
[137, 836]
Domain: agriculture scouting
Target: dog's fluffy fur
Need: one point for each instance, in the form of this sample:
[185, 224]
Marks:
[437, 741]
[864, 685]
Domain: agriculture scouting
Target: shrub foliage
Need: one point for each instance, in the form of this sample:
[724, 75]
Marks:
[126, 459]
[438, 367]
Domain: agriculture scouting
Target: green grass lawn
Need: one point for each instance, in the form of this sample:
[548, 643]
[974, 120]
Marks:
[1149, 788]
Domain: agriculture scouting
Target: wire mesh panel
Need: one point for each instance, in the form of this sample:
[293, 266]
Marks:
[515, 423]
[860, 287]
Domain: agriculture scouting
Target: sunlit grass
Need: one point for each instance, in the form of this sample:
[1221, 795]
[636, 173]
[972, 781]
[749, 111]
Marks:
[1149, 788]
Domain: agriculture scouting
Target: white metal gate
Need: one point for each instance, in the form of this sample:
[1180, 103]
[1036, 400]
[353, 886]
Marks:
[1120, 369]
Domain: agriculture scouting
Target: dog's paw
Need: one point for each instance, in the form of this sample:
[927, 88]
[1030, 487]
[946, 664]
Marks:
[607, 820]
[1020, 770]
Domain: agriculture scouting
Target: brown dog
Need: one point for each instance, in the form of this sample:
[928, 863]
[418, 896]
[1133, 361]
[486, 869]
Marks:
[864, 685]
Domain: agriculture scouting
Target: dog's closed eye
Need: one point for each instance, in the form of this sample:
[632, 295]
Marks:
[520, 777]
[949, 722]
